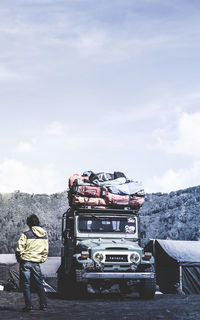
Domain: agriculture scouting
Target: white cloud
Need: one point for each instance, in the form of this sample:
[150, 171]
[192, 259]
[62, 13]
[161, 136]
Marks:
[187, 139]
[79, 30]
[173, 180]
[8, 75]
[111, 46]
[24, 147]
[56, 136]
[133, 113]
[15, 175]
[60, 48]
[55, 129]
[180, 138]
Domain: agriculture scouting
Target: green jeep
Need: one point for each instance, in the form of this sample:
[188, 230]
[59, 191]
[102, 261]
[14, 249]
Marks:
[101, 249]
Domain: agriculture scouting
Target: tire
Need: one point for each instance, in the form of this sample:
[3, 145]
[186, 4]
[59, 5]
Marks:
[124, 288]
[68, 288]
[63, 284]
[147, 287]
[80, 291]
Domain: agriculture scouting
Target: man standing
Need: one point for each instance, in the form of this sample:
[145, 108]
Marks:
[32, 249]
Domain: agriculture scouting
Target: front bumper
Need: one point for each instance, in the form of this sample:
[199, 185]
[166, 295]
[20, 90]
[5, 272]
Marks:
[118, 275]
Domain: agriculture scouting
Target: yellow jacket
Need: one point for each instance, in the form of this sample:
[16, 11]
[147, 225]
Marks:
[33, 245]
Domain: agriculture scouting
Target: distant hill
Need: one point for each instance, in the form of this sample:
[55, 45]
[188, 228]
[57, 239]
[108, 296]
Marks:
[16, 207]
[173, 216]
[165, 216]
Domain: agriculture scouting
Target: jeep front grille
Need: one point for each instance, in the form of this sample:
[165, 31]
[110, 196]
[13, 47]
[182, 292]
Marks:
[116, 258]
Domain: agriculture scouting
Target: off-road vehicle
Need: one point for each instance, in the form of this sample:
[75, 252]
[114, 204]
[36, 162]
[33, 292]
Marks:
[101, 249]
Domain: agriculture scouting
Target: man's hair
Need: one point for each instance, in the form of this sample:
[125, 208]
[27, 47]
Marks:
[32, 221]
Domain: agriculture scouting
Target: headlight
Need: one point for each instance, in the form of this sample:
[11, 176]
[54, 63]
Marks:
[135, 257]
[98, 257]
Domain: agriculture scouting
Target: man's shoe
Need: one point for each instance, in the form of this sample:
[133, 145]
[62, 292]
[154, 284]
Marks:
[90, 289]
[27, 309]
[43, 308]
[105, 291]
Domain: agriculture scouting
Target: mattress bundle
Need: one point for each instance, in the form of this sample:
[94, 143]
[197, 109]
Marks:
[105, 190]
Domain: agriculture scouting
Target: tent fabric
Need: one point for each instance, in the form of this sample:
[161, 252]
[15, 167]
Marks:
[184, 252]
[177, 265]
[191, 280]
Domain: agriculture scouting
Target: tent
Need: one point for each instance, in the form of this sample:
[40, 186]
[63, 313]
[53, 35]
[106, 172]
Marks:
[177, 265]
[9, 272]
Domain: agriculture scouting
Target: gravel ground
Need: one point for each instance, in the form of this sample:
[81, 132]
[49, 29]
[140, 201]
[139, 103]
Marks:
[170, 307]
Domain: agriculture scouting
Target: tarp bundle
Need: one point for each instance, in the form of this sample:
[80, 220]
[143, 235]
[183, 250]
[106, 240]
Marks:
[105, 190]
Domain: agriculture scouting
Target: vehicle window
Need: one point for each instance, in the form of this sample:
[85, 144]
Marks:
[107, 224]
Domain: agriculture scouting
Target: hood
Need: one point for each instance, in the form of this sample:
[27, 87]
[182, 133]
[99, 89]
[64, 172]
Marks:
[38, 231]
[109, 244]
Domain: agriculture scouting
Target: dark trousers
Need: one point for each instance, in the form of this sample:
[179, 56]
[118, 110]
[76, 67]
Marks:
[30, 271]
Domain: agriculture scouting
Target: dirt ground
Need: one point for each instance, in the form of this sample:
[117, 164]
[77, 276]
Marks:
[163, 306]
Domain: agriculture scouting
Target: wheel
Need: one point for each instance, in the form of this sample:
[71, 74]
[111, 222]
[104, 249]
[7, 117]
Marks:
[64, 284]
[80, 290]
[69, 288]
[124, 287]
[147, 287]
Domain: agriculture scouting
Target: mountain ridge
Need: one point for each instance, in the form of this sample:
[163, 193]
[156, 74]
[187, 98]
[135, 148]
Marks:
[173, 215]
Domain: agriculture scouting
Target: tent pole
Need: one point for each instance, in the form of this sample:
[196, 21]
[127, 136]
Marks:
[154, 252]
[181, 277]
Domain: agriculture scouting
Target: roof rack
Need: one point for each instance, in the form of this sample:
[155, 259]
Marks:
[81, 211]
[102, 210]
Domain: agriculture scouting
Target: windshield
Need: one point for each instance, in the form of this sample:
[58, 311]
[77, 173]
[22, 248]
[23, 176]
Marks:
[107, 224]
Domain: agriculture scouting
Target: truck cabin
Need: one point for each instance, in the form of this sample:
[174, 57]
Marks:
[100, 224]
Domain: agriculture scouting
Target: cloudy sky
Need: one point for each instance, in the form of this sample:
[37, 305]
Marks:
[102, 85]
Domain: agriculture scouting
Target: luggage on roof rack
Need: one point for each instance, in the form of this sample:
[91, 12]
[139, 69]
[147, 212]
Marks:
[116, 200]
[89, 191]
[105, 190]
[85, 201]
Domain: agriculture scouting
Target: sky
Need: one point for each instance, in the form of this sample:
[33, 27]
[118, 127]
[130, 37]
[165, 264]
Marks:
[101, 85]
